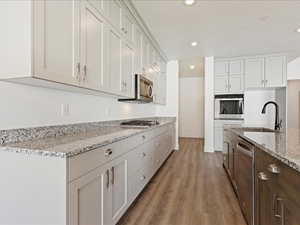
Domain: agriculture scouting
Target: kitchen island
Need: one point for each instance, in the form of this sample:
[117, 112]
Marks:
[79, 174]
[264, 167]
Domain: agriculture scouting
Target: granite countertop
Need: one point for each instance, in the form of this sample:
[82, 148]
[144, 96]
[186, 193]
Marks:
[70, 140]
[285, 146]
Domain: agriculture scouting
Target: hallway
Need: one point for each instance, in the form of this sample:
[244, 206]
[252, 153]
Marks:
[188, 190]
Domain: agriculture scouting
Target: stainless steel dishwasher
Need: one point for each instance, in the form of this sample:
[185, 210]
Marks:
[245, 178]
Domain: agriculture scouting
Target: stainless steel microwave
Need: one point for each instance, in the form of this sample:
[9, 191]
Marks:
[229, 106]
[143, 90]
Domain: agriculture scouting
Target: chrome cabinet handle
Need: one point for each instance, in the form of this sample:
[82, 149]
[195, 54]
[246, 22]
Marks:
[262, 176]
[143, 177]
[107, 179]
[273, 168]
[108, 152]
[113, 175]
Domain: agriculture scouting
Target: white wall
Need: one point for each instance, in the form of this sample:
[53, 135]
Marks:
[209, 104]
[293, 69]
[293, 102]
[191, 107]
[27, 106]
[172, 107]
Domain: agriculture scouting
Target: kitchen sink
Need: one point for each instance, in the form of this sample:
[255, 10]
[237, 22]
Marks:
[257, 129]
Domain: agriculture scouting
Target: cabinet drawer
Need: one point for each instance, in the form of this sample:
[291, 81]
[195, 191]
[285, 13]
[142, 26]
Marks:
[288, 181]
[85, 162]
[140, 157]
[136, 183]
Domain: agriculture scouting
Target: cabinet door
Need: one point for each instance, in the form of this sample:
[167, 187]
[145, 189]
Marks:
[115, 12]
[236, 84]
[90, 199]
[288, 212]
[264, 201]
[138, 50]
[221, 84]
[275, 71]
[127, 69]
[145, 56]
[236, 67]
[56, 45]
[254, 73]
[127, 25]
[221, 68]
[119, 188]
[93, 43]
[115, 56]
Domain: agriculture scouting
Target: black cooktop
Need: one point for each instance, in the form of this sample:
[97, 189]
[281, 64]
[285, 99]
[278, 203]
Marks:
[143, 123]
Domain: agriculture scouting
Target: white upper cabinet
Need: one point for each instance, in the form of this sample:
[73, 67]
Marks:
[265, 72]
[138, 35]
[115, 57]
[229, 76]
[275, 75]
[93, 44]
[254, 73]
[96, 45]
[127, 69]
[127, 25]
[221, 84]
[145, 56]
[115, 13]
[236, 67]
[221, 68]
[56, 46]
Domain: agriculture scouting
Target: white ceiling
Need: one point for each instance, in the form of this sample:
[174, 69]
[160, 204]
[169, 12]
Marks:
[223, 28]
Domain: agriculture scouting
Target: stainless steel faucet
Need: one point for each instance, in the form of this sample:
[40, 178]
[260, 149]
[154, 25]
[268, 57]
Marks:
[277, 122]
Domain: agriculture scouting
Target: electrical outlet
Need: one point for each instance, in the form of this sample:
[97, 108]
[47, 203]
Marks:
[65, 109]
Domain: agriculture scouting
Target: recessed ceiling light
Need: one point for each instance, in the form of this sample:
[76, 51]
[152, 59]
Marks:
[192, 67]
[189, 2]
[298, 30]
[194, 43]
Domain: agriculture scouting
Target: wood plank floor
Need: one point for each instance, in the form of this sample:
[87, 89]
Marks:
[190, 189]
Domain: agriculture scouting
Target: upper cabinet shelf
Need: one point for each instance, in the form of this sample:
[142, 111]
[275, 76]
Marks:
[91, 46]
[238, 74]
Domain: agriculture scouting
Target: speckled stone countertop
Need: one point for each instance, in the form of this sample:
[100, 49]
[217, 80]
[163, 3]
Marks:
[70, 140]
[285, 146]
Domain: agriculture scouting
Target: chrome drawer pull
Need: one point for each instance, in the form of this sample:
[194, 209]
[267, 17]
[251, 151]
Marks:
[262, 176]
[143, 177]
[108, 152]
[273, 168]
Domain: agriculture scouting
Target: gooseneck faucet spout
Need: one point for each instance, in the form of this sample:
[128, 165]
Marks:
[277, 122]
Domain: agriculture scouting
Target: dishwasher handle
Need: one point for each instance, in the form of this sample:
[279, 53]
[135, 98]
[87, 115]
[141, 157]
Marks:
[245, 149]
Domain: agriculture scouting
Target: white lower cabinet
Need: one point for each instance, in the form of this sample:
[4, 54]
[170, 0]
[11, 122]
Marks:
[102, 195]
[90, 201]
